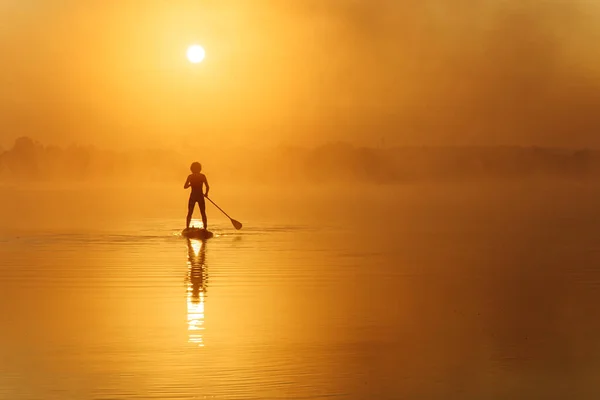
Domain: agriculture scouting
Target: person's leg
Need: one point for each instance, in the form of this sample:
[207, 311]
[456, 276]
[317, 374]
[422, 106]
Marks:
[191, 204]
[202, 206]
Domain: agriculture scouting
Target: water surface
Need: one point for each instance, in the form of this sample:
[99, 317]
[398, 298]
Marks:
[386, 293]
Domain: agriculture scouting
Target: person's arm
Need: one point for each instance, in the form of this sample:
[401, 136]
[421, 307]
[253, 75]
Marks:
[207, 187]
[187, 183]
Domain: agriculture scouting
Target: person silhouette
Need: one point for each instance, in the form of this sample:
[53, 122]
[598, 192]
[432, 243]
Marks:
[196, 180]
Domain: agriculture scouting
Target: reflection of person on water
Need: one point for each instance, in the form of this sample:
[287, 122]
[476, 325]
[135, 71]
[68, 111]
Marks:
[197, 268]
[196, 180]
[196, 283]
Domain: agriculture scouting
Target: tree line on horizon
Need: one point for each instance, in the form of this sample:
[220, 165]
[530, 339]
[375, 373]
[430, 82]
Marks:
[31, 161]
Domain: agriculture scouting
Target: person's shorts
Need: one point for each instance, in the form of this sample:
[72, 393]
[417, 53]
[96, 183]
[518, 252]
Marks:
[196, 199]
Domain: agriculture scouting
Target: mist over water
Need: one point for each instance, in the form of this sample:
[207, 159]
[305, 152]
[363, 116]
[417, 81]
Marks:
[417, 183]
[31, 162]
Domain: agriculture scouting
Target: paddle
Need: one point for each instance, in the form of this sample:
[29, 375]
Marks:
[236, 224]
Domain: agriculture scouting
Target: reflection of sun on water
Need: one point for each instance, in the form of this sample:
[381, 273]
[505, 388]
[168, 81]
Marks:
[195, 311]
[195, 293]
[196, 223]
[196, 246]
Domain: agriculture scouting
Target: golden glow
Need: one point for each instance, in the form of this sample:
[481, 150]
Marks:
[196, 54]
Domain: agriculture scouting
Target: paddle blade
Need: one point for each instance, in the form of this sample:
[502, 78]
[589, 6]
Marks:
[236, 224]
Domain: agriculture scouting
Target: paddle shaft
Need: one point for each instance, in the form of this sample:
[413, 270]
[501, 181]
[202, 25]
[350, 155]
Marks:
[218, 207]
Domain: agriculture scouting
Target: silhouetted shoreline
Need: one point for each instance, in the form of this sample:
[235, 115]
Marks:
[28, 160]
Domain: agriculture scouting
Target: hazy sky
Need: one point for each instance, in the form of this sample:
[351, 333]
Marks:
[286, 71]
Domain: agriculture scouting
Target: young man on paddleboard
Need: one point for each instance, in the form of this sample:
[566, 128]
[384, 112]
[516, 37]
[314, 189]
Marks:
[196, 180]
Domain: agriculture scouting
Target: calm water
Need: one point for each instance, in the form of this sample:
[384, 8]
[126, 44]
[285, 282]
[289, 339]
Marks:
[395, 293]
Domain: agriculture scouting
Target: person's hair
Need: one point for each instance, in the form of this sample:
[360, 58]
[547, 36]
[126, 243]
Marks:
[196, 167]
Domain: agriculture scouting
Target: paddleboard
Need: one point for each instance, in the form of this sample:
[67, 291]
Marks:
[197, 233]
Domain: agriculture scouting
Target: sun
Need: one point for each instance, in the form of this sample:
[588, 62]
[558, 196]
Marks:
[195, 53]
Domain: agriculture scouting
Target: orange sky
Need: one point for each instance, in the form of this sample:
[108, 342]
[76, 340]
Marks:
[490, 72]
